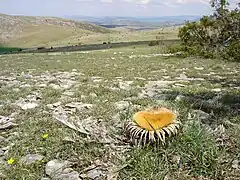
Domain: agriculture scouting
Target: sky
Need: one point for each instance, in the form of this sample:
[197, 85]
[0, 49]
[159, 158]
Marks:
[106, 7]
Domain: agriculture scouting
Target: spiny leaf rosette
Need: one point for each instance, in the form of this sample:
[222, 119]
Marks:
[152, 126]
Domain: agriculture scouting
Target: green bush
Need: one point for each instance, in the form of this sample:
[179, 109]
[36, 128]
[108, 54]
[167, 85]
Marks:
[175, 48]
[232, 53]
[153, 43]
[213, 36]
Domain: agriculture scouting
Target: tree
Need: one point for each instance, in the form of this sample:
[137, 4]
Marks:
[214, 35]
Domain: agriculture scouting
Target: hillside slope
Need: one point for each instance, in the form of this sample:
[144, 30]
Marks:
[24, 31]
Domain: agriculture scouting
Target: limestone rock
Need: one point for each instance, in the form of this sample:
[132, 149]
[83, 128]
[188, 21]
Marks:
[122, 105]
[235, 164]
[201, 115]
[31, 158]
[79, 106]
[6, 123]
[94, 174]
[58, 169]
[1, 152]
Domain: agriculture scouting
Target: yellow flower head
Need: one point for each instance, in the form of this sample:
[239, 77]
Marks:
[154, 119]
[45, 136]
[10, 161]
[152, 126]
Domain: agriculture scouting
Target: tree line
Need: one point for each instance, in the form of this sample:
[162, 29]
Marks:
[214, 36]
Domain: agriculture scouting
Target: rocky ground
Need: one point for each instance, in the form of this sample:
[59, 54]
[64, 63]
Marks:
[62, 115]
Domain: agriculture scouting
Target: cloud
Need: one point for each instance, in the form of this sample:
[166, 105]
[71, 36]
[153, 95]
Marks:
[139, 1]
[154, 2]
[179, 3]
[84, 0]
[192, 1]
[92, 1]
[106, 1]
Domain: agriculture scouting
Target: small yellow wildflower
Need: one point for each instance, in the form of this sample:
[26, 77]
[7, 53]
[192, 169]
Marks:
[45, 136]
[10, 161]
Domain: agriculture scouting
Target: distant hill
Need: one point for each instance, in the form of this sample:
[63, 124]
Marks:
[24, 31]
[136, 21]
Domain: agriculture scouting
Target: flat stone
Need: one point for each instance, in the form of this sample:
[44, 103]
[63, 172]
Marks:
[79, 105]
[8, 125]
[114, 89]
[179, 98]
[6, 148]
[4, 119]
[27, 105]
[183, 76]
[217, 90]
[31, 158]
[42, 85]
[126, 85]
[56, 166]
[159, 84]
[235, 164]
[1, 152]
[179, 85]
[66, 86]
[49, 106]
[94, 174]
[83, 97]
[15, 89]
[201, 115]
[58, 169]
[68, 93]
[122, 105]
[55, 86]
[25, 86]
[199, 68]
[93, 95]
[97, 80]
[139, 78]
[56, 104]
[74, 175]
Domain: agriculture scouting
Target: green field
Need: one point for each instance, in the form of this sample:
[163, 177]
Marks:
[97, 92]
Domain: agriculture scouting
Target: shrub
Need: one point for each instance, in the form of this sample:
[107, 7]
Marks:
[232, 52]
[153, 43]
[213, 36]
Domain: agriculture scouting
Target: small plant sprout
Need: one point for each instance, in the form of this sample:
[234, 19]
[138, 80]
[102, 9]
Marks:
[152, 126]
